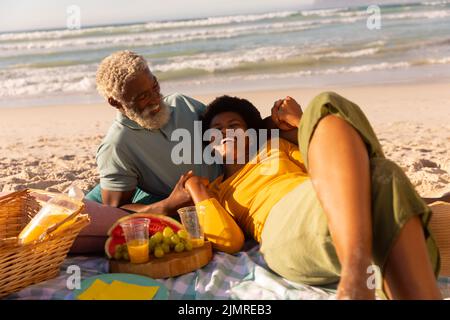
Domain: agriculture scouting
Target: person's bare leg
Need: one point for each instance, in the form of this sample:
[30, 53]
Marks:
[340, 172]
[408, 271]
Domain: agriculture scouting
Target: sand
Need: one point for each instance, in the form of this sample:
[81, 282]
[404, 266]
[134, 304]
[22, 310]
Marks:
[51, 147]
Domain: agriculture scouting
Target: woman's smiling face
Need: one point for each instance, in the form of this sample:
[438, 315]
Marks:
[236, 126]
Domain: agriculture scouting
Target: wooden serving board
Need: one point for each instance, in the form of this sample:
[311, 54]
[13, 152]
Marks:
[171, 265]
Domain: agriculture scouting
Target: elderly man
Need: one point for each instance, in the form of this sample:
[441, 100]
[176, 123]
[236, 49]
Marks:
[134, 159]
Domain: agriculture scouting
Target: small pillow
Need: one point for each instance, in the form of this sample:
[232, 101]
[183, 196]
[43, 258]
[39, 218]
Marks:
[92, 238]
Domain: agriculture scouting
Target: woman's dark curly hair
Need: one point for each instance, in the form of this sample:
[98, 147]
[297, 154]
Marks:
[243, 107]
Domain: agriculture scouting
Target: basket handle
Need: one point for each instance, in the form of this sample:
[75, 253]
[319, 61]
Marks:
[39, 194]
[52, 228]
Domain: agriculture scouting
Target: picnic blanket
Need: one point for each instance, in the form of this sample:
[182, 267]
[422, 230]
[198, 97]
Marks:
[242, 276]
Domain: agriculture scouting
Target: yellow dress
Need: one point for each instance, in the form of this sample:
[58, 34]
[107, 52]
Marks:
[247, 197]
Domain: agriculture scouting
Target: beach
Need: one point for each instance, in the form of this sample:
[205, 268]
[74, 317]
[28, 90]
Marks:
[50, 147]
[52, 119]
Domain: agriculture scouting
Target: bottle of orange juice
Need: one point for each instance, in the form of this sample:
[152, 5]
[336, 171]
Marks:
[54, 211]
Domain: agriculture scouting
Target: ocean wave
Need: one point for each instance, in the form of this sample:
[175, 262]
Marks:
[34, 82]
[166, 38]
[349, 54]
[112, 34]
[270, 55]
[404, 46]
[303, 73]
[331, 71]
[435, 3]
[369, 67]
[228, 60]
[160, 38]
[69, 33]
[336, 13]
[443, 60]
[218, 20]
[66, 34]
[435, 14]
[322, 12]
[142, 27]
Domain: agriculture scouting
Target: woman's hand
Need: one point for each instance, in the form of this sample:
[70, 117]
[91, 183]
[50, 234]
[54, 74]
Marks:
[286, 114]
[194, 181]
[197, 187]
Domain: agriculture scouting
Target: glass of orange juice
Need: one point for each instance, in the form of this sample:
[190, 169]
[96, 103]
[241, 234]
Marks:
[193, 218]
[136, 235]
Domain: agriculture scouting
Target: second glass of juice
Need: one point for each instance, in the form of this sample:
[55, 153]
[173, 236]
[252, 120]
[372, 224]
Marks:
[136, 235]
[193, 218]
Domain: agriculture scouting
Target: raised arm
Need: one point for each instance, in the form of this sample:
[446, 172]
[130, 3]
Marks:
[285, 115]
[220, 228]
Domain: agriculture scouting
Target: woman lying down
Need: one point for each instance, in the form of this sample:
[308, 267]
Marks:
[325, 211]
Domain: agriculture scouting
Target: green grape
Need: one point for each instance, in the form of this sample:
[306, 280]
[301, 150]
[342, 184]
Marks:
[126, 256]
[165, 247]
[167, 241]
[188, 246]
[159, 252]
[157, 237]
[183, 234]
[119, 248]
[168, 232]
[118, 254]
[179, 247]
[151, 244]
[175, 239]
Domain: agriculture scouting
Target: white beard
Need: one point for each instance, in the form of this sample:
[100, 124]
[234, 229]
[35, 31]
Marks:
[148, 121]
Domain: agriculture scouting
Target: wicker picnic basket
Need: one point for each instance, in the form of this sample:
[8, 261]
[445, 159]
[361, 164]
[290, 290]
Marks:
[24, 265]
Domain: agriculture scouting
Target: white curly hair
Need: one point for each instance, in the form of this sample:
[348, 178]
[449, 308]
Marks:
[116, 70]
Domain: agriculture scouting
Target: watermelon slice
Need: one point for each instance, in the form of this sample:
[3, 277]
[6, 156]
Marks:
[158, 222]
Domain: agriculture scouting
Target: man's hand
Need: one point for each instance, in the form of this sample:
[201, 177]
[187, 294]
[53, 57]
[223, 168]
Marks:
[286, 114]
[180, 197]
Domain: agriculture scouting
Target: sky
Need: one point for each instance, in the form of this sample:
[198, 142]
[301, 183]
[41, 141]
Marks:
[17, 15]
